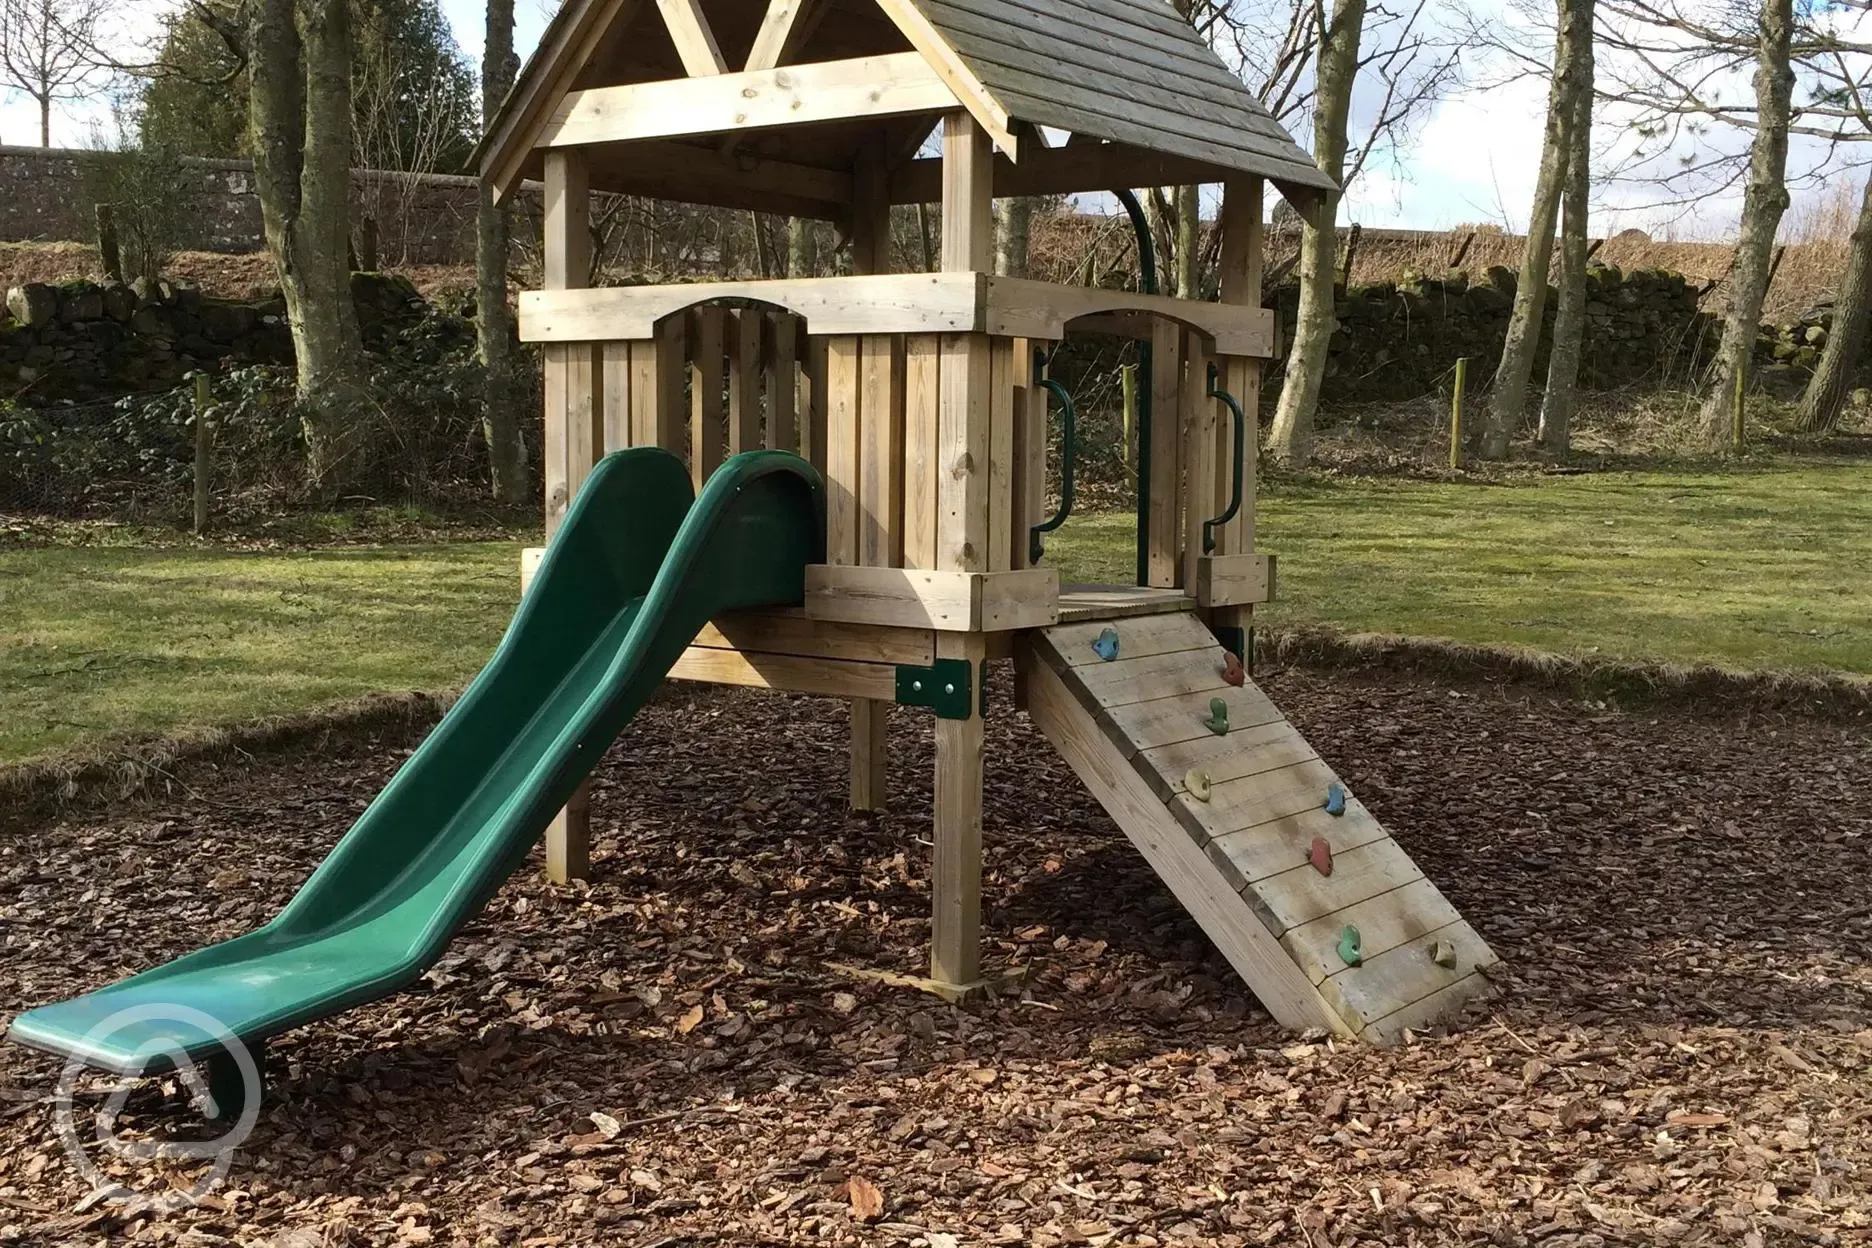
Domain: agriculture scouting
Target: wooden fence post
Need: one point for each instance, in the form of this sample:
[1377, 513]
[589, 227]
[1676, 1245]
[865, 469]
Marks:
[202, 436]
[1456, 413]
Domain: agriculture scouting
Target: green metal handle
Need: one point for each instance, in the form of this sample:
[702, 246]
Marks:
[1069, 454]
[1241, 460]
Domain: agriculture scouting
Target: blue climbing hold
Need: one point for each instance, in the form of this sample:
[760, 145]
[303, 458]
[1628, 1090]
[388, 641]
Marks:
[1335, 799]
[1106, 646]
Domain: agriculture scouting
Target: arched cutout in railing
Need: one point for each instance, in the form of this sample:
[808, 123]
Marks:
[1241, 452]
[1069, 453]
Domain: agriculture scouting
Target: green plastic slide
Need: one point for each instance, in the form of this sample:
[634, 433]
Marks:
[638, 568]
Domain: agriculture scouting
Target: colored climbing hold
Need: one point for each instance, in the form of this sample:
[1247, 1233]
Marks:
[1351, 946]
[1107, 645]
[1199, 784]
[1443, 954]
[1232, 670]
[1335, 799]
[1321, 856]
[1218, 717]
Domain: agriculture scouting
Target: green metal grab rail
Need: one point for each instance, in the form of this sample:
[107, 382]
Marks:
[1241, 460]
[1069, 454]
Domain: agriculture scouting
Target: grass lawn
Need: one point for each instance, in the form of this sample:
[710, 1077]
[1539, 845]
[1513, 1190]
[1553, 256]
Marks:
[1748, 569]
[101, 641]
[1769, 568]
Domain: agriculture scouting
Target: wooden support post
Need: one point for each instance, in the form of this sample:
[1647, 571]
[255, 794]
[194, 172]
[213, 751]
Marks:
[955, 880]
[963, 436]
[1242, 259]
[574, 431]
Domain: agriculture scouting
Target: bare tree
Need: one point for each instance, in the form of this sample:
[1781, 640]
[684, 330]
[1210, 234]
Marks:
[1763, 202]
[1852, 312]
[494, 322]
[47, 51]
[299, 116]
[1291, 439]
[1569, 334]
[1013, 235]
[1508, 394]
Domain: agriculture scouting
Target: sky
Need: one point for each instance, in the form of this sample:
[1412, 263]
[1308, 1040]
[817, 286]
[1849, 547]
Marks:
[1472, 158]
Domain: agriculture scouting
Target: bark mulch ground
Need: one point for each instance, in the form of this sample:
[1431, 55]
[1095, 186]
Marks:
[1681, 1052]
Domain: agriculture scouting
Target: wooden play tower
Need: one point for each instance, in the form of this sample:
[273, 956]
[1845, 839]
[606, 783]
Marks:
[919, 398]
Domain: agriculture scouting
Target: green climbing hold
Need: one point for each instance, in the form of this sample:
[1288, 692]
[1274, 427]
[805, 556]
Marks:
[1443, 954]
[1351, 946]
[1106, 647]
[1218, 717]
[1198, 784]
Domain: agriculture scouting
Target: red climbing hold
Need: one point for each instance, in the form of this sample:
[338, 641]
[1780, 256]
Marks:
[1321, 856]
[1232, 670]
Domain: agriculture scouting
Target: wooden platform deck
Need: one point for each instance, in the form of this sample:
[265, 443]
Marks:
[1241, 857]
[1079, 603]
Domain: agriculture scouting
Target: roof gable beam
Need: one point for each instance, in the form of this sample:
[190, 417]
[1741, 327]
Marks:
[780, 32]
[928, 41]
[869, 86]
[695, 42]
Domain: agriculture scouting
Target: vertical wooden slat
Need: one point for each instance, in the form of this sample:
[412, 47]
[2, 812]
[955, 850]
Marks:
[744, 382]
[880, 484]
[782, 358]
[813, 376]
[1205, 435]
[1166, 513]
[962, 454]
[922, 393]
[1002, 388]
[574, 422]
[665, 394]
[843, 449]
[618, 434]
[708, 434]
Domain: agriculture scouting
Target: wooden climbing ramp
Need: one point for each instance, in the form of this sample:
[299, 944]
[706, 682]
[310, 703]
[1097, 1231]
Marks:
[1324, 916]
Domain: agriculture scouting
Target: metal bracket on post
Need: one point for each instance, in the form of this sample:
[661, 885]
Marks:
[947, 687]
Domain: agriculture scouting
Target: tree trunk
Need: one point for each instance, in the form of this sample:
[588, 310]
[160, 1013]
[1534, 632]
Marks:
[45, 121]
[1569, 334]
[1014, 236]
[1507, 406]
[299, 113]
[1291, 439]
[1188, 240]
[1763, 202]
[1839, 362]
[494, 321]
[802, 248]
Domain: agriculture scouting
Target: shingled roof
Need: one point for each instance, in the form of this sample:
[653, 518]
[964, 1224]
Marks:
[1129, 72]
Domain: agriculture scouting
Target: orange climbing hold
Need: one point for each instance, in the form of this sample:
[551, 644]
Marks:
[1232, 670]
